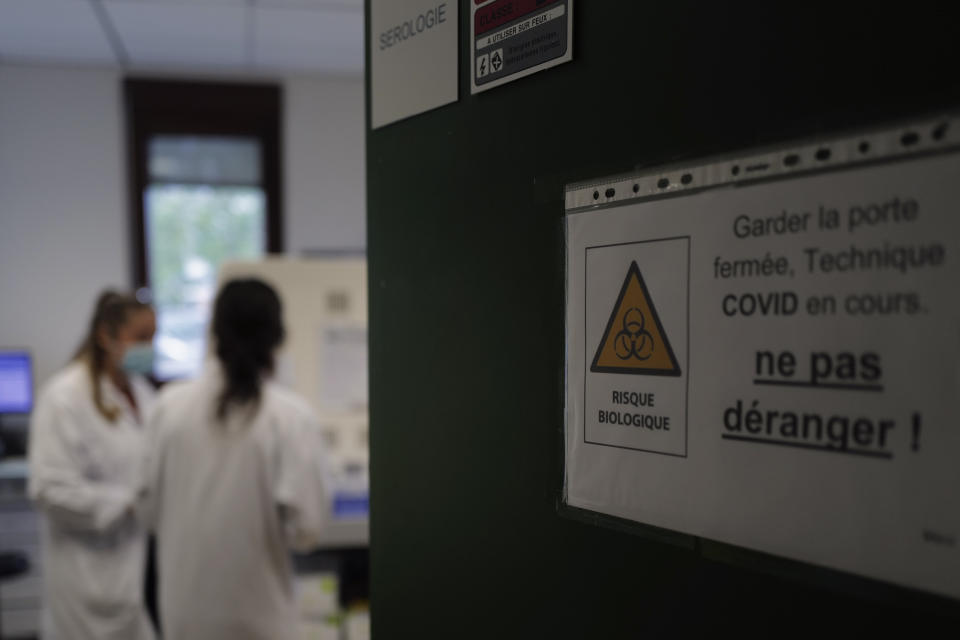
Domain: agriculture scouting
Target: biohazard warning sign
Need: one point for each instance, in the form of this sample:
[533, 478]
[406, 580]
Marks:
[772, 361]
[636, 324]
[635, 341]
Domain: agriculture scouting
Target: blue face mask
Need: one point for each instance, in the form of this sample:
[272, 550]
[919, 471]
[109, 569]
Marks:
[139, 358]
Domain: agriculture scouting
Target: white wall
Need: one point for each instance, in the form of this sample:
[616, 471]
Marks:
[64, 231]
[324, 164]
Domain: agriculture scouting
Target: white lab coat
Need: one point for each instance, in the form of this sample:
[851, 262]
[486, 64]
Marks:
[85, 476]
[228, 501]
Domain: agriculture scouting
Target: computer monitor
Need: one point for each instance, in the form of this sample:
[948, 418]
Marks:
[16, 382]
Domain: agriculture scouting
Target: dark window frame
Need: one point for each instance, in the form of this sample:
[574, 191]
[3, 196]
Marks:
[174, 107]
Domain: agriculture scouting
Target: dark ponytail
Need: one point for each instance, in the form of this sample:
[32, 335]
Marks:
[247, 328]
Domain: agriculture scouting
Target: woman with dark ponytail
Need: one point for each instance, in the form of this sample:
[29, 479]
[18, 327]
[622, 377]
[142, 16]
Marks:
[87, 454]
[248, 329]
[236, 481]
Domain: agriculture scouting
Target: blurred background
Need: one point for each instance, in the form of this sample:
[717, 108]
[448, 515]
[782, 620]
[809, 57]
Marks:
[159, 145]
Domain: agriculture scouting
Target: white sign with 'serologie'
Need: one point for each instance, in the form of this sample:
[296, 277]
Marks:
[413, 57]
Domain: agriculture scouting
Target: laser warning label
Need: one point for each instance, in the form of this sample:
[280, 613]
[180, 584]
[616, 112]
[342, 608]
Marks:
[514, 38]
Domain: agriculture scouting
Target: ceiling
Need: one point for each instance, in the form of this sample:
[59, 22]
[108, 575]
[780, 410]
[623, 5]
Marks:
[239, 36]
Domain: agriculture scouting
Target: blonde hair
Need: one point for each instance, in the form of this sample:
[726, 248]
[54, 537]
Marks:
[111, 312]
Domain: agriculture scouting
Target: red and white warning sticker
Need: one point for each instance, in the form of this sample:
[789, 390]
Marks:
[514, 38]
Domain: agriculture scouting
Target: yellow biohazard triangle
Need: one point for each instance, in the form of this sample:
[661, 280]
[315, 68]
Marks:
[634, 340]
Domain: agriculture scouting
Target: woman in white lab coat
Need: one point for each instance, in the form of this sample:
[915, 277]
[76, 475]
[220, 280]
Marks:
[86, 467]
[236, 481]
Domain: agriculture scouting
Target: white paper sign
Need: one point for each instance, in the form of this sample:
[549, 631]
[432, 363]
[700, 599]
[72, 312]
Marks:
[776, 366]
[343, 368]
[413, 57]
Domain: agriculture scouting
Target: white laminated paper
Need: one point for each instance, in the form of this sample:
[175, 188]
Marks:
[775, 364]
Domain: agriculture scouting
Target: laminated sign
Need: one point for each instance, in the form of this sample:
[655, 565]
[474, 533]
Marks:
[765, 351]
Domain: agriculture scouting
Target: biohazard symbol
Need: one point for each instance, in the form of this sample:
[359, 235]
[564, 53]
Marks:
[634, 340]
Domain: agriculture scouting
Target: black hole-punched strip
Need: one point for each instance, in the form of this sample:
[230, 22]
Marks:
[914, 138]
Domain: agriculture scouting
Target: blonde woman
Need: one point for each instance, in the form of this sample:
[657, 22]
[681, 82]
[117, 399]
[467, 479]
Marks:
[86, 468]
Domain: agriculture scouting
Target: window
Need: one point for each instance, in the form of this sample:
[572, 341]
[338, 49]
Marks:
[205, 162]
[204, 204]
